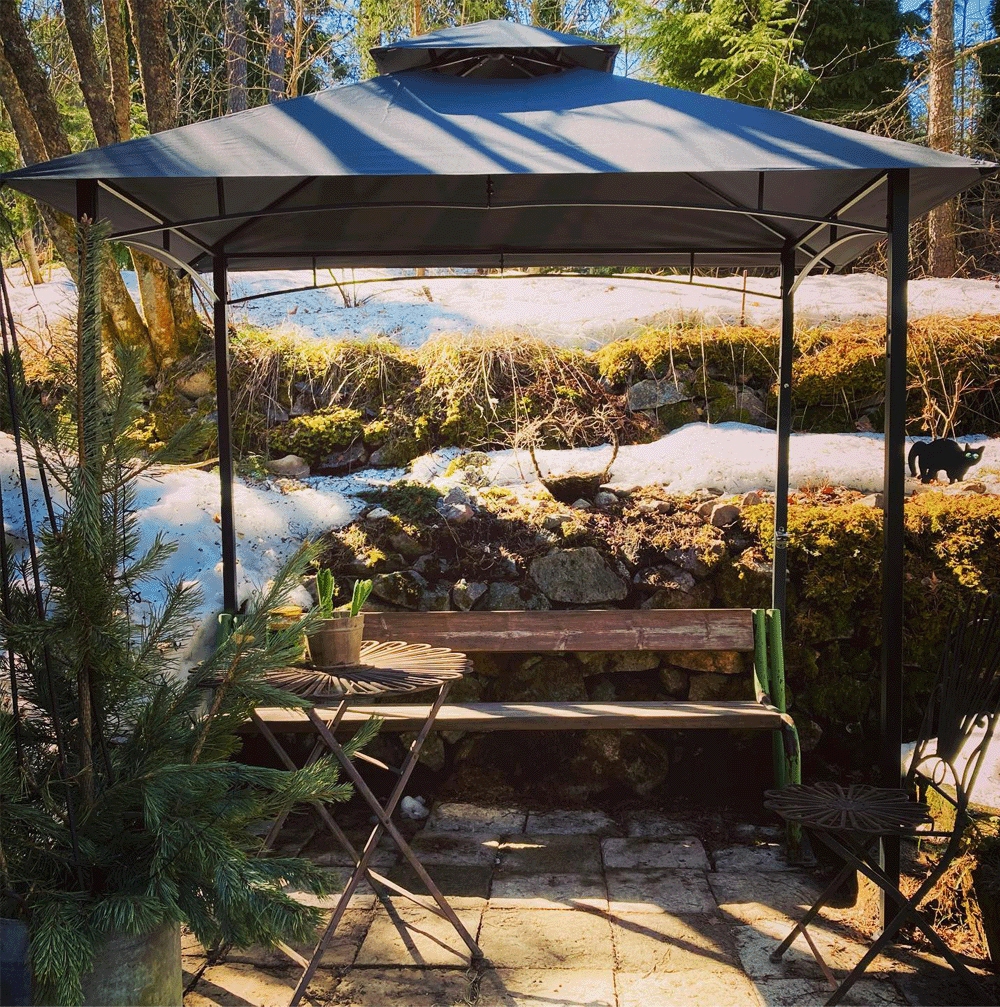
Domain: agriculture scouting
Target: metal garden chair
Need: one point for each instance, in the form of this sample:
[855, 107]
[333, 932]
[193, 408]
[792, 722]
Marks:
[852, 820]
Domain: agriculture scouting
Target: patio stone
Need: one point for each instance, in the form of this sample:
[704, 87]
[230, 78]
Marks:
[631, 891]
[412, 987]
[456, 817]
[755, 943]
[539, 939]
[239, 985]
[810, 992]
[927, 980]
[748, 898]
[770, 857]
[363, 897]
[659, 942]
[571, 822]
[385, 855]
[559, 854]
[464, 886]
[644, 824]
[409, 935]
[551, 987]
[649, 854]
[548, 891]
[687, 989]
[342, 949]
[456, 848]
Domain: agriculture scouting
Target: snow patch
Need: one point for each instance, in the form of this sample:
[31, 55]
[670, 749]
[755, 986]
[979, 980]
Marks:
[576, 310]
[727, 457]
[272, 520]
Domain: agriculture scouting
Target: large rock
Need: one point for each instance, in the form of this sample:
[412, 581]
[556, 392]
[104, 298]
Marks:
[466, 593]
[654, 393]
[750, 407]
[578, 576]
[290, 467]
[503, 596]
[684, 592]
[719, 662]
[404, 588]
[712, 686]
[194, 386]
[342, 461]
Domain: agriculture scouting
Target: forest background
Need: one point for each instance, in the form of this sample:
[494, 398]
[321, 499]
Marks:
[80, 73]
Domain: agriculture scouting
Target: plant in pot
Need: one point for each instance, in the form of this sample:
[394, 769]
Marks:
[335, 640]
[124, 815]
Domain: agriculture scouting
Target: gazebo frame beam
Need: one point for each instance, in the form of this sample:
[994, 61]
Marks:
[275, 210]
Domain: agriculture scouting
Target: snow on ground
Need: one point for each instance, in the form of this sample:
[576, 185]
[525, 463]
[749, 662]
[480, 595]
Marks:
[577, 310]
[727, 457]
[183, 504]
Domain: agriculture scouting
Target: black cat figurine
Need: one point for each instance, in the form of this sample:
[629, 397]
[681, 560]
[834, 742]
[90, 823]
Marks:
[943, 454]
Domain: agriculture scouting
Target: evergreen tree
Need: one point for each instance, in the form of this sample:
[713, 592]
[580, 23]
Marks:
[745, 50]
[852, 48]
[122, 809]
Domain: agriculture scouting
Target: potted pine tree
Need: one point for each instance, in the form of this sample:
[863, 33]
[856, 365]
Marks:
[124, 815]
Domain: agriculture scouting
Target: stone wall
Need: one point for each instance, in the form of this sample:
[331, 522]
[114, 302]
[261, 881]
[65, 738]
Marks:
[456, 547]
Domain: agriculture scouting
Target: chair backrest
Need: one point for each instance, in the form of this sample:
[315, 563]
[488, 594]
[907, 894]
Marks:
[962, 714]
[569, 630]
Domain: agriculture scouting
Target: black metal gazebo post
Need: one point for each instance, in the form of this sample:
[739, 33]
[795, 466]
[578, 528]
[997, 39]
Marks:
[894, 475]
[784, 428]
[225, 428]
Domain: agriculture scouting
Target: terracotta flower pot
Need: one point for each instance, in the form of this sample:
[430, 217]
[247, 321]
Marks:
[337, 642]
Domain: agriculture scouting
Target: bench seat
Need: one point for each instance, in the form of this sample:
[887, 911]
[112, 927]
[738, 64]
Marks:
[582, 716]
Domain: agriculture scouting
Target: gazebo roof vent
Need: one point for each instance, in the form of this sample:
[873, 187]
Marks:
[495, 49]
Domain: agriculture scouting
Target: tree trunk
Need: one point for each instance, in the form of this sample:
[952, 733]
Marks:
[149, 27]
[236, 54]
[40, 135]
[96, 93]
[31, 256]
[943, 244]
[166, 300]
[31, 80]
[276, 52]
[121, 82]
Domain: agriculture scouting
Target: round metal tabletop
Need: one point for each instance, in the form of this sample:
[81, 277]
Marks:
[384, 669]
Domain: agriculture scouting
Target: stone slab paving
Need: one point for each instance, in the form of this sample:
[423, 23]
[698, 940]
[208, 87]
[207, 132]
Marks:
[577, 909]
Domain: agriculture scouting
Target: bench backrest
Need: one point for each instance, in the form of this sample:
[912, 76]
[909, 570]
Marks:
[569, 630]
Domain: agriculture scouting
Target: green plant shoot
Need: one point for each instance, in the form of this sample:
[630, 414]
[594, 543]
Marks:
[362, 589]
[325, 589]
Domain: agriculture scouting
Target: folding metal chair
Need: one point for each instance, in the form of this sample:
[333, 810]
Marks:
[853, 820]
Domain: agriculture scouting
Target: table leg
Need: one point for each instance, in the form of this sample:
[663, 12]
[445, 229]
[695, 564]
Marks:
[384, 824]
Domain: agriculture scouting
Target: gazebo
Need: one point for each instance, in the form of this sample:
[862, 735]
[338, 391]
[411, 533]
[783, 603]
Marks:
[498, 144]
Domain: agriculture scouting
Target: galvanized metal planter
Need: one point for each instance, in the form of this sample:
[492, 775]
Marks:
[143, 971]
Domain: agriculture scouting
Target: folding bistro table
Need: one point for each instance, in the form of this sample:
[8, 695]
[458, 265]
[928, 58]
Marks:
[384, 669]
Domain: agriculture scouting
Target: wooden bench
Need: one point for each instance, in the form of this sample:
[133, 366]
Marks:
[755, 631]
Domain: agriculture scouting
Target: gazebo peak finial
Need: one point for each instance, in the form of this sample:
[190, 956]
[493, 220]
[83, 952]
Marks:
[495, 49]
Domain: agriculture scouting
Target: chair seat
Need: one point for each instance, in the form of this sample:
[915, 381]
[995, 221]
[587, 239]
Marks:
[855, 808]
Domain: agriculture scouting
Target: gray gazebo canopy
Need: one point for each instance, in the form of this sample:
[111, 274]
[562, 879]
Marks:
[496, 145]
[499, 145]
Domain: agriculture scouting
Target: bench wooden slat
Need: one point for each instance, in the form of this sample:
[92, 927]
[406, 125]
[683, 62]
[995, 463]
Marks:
[583, 716]
[573, 630]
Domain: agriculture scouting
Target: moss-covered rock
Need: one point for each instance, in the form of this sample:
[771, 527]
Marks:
[318, 434]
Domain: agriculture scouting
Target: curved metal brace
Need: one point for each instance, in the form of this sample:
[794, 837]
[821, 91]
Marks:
[757, 215]
[158, 253]
[506, 276]
[821, 254]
